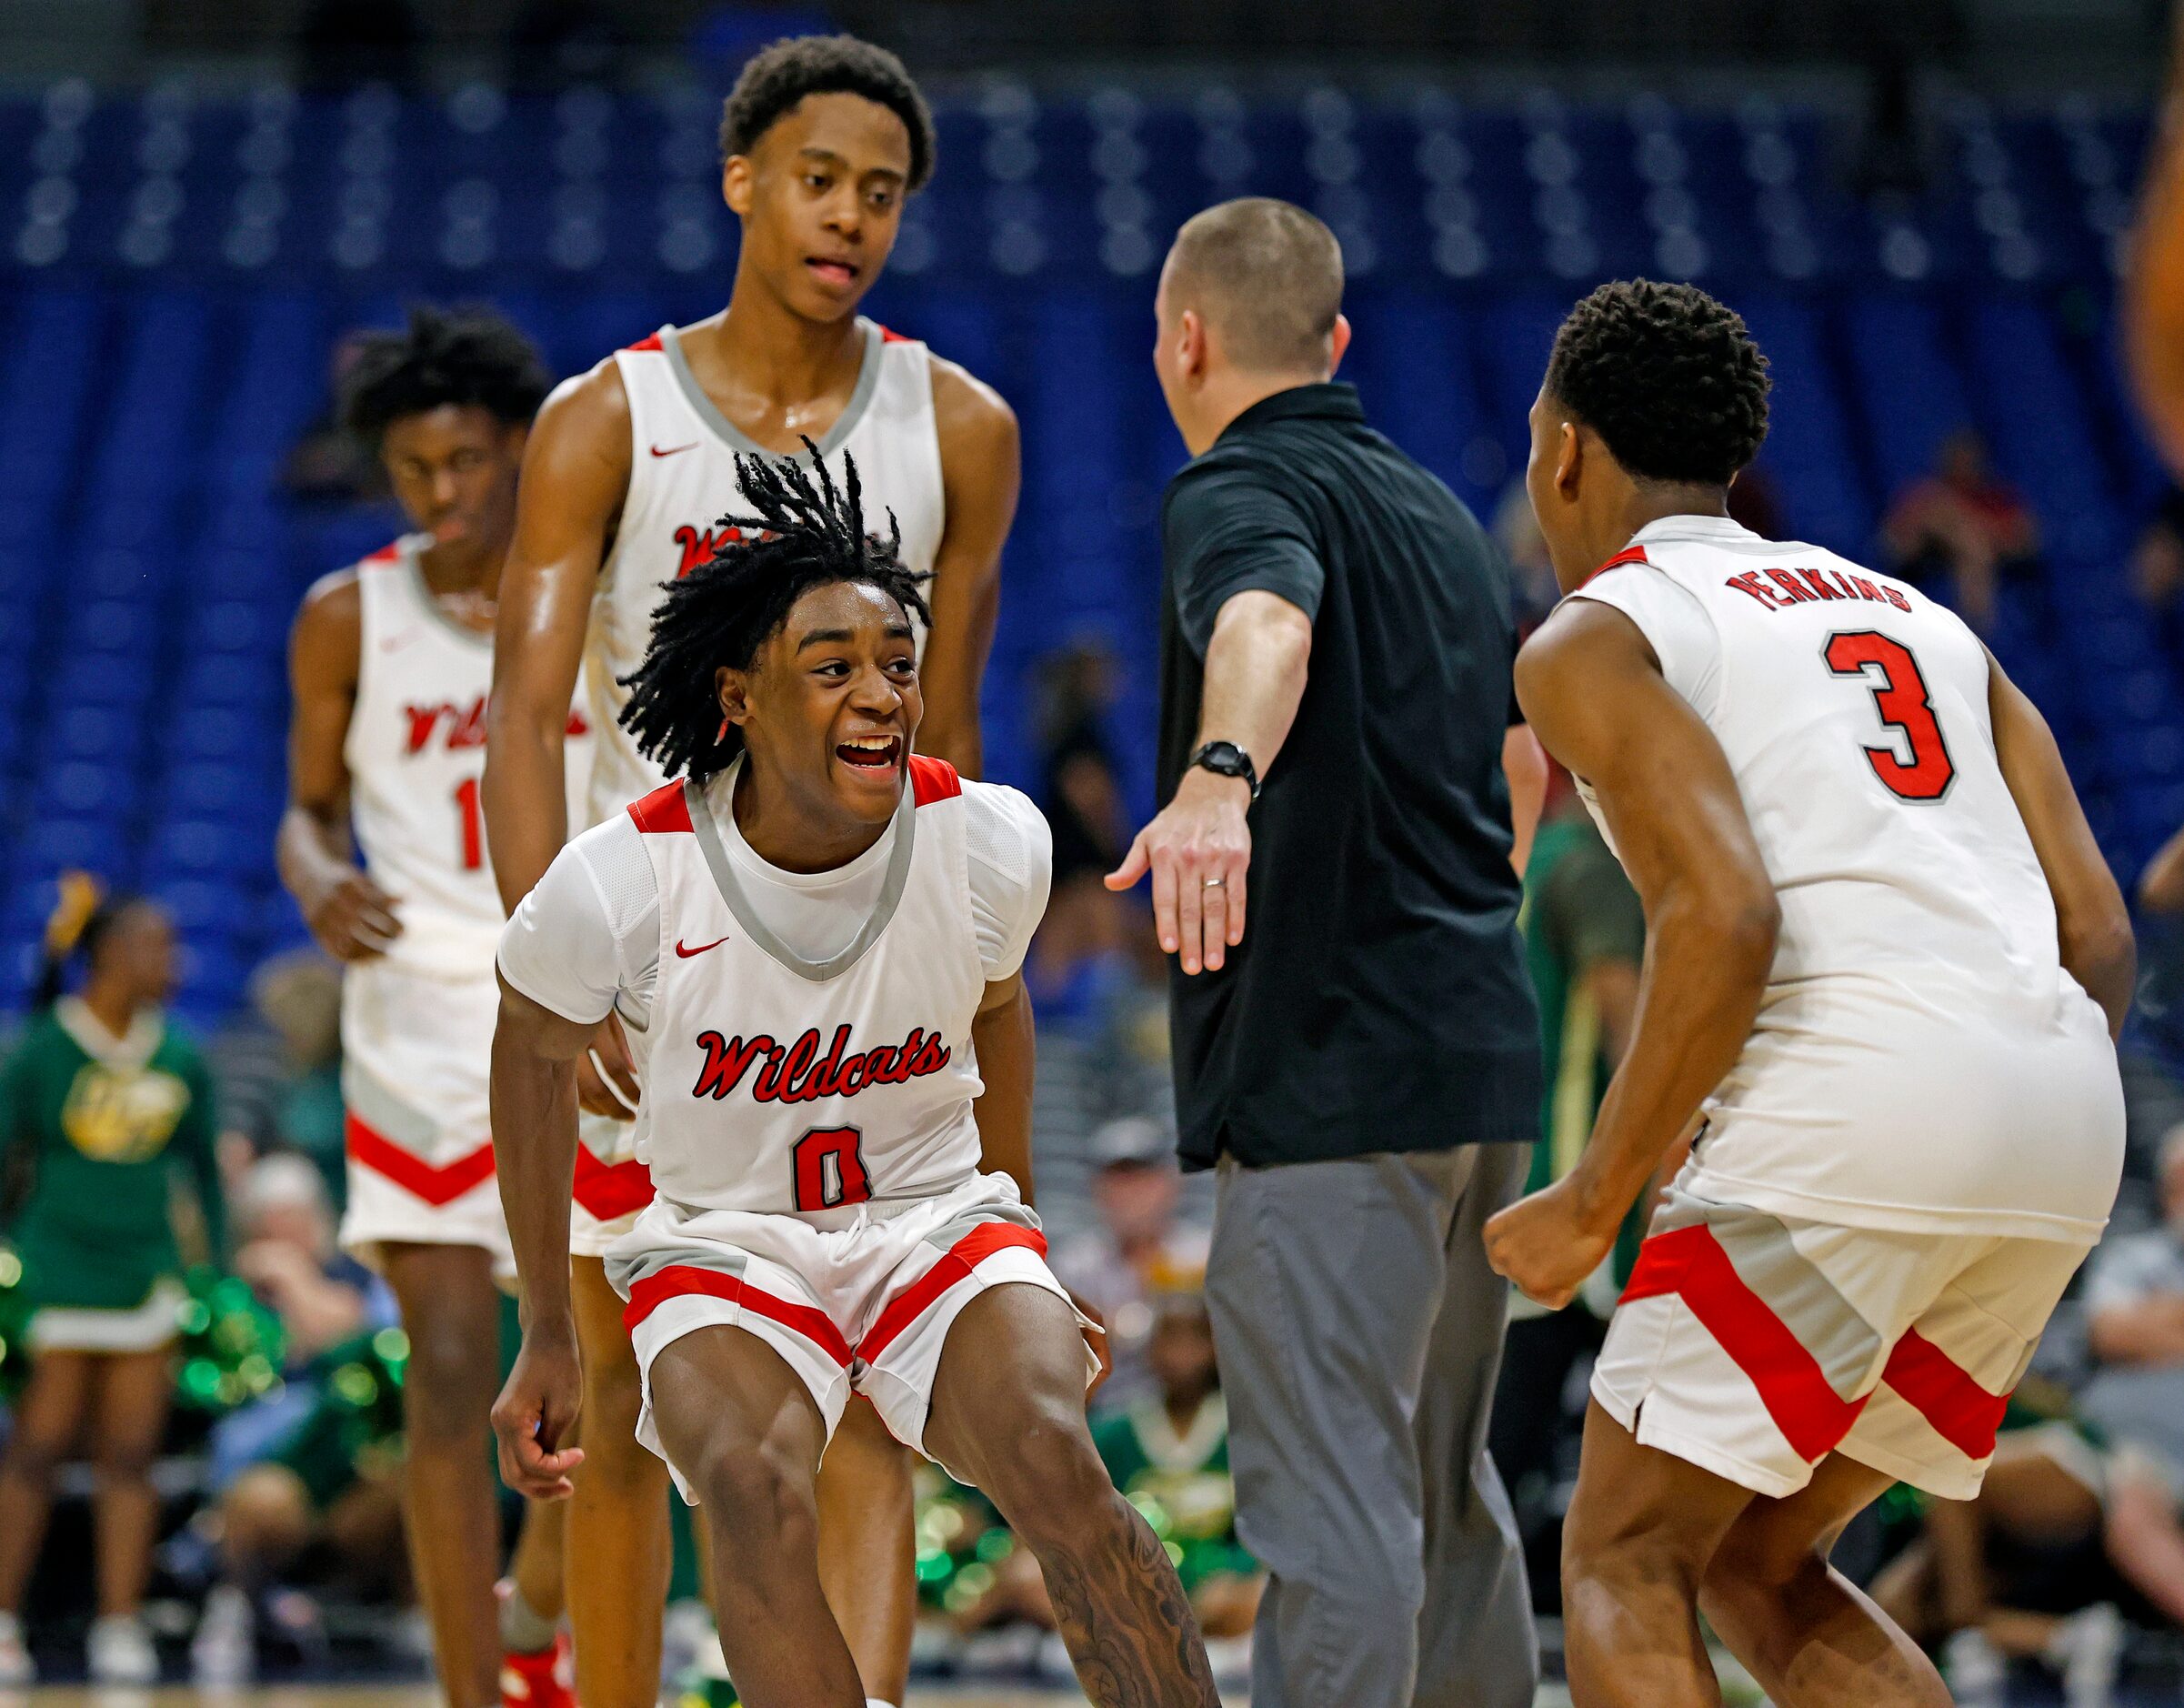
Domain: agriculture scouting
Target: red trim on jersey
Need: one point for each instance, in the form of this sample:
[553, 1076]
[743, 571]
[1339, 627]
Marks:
[609, 1190]
[1689, 1263]
[1629, 553]
[650, 342]
[955, 1264]
[389, 553]
[1963, 1413]
[662, 812]
[436, 1185]
[887, 335]
[681, 1280]
[933, 779]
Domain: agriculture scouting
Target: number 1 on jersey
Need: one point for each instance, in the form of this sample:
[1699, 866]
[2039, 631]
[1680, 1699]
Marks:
[1900, 697]
[473, 816]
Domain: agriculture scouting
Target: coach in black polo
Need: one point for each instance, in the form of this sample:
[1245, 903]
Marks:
[1355, 1048]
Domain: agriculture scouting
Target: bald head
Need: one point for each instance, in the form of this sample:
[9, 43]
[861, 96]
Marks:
[1266, 277]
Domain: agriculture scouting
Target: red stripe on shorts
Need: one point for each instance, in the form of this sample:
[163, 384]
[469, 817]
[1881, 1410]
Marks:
[957, 1261]
[679, 1281]
[1690, 1263]
[437, 1185]
[1963, 1413]
[611, 1190]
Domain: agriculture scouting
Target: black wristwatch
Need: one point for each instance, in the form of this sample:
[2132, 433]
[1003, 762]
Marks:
[1225, 758]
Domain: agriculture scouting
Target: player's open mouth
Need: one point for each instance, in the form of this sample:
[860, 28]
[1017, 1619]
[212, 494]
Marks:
[870, 753]
[833, 271]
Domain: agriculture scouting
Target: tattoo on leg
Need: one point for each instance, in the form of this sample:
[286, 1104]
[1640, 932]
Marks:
[1128, 1626]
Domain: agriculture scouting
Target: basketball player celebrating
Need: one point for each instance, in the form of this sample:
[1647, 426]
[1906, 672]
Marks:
[1883, 956]
[816, 940]
[824, 137]
[390, 665]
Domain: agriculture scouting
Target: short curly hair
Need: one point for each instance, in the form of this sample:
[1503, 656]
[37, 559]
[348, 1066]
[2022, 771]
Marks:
[1667, 376]
[466, 357]
[782, 73]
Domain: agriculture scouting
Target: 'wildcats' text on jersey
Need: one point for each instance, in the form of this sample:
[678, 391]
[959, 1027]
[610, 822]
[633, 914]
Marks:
[1921, 1060]
[681, 481]
[416, 751]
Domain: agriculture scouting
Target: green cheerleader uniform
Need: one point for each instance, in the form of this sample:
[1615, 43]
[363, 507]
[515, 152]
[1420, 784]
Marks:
[1179, 1483]
[105, 1120]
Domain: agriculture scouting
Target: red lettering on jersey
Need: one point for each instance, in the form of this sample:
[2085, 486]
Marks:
[577, 726]
[1897, 599]
[466, 724]
[701, 545]
[800, 1074]
[421, 721]
[1790, 585]
[1749, 582]
[1818, 582]
[469, 729]
[727, 1061]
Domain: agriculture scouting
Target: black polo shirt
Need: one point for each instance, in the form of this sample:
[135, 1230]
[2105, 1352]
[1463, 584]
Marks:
[1378, 1001]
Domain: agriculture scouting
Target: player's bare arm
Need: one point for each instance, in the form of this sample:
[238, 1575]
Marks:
[980, 474]
[576, 471]
[1591, 686]
[2153, 280]
[535, 1055]
[2092, 922]
[1007, 1052]
[1199, 848]
[1525, 766]
[352, 918]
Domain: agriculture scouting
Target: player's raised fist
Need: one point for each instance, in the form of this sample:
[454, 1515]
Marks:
[1545, 1246]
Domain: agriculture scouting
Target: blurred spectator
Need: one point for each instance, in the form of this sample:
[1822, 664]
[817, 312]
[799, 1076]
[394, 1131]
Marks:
[2157, 569]
[328, 463]
[279, 1069]
[2064, 1530]
[315, 1467]
[1962, 523]
[1080, 791]
[2134, 1305]
[1584, 939]
[106, 1099]
[1139, 1250]
[1517, 531]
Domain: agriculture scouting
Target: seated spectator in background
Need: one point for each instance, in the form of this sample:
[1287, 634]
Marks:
[279, 1070]
[315, 1467]
[2157, 569]
[1080, 791]
[1963, 524]
[1138, 1251]
[107, 1102]
[2134, 1304]
[2064, 1529]
[1584, 939]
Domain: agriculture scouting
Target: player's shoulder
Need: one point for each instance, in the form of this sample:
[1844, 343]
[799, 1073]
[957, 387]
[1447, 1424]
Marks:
[595, 401]
[617, 868]
[328, 631]
[1006, 825]
[970, 415]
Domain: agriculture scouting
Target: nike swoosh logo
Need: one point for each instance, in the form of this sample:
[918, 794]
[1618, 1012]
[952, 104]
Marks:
[675, 450]
[685, 952]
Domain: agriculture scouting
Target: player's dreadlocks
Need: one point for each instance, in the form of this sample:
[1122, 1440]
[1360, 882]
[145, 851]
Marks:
[804, 532]
[1668, 376]
[781, 74]
[463, 355]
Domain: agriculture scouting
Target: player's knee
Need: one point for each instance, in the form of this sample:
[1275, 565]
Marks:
[266, 1516]
[1592, 1561]
[448, 1387]
[614, 1397]
[1753, 1561]
[1047, 1479]
[755, 1491]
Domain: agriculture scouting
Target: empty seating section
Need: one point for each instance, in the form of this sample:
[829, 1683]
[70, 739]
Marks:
[176, 266]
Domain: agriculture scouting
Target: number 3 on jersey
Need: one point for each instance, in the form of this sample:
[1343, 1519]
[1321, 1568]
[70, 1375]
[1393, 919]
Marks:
[830, 1168]
[1900, 697]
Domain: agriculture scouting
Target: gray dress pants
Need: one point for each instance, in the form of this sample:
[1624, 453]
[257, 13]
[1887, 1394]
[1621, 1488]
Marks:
[1360, 1330]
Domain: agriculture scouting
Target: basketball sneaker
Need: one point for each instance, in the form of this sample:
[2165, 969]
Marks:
[545, 1680]
[120, 1650]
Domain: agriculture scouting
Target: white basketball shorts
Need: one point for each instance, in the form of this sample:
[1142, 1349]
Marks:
[855, 1302]
[1753, 1346]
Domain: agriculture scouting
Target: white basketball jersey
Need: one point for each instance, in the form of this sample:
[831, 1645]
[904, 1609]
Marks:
[778, 1084]
[416, 751]
[1920, 1049]
[682, 480]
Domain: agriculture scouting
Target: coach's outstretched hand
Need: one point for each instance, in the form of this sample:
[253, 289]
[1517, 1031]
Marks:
[1198, 849]
[1546, 1244]
[537, 1411]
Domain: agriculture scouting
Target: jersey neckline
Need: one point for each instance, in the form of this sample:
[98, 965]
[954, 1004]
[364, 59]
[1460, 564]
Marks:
[731, 888]
[412, 557]
[735, 439]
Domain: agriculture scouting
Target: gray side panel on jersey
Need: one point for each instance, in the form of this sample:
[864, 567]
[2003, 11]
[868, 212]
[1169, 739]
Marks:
[623, 1273]
[707, 411]
[381, 1109]
[1847, 1347]
[948, 1232]
[760, 933]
